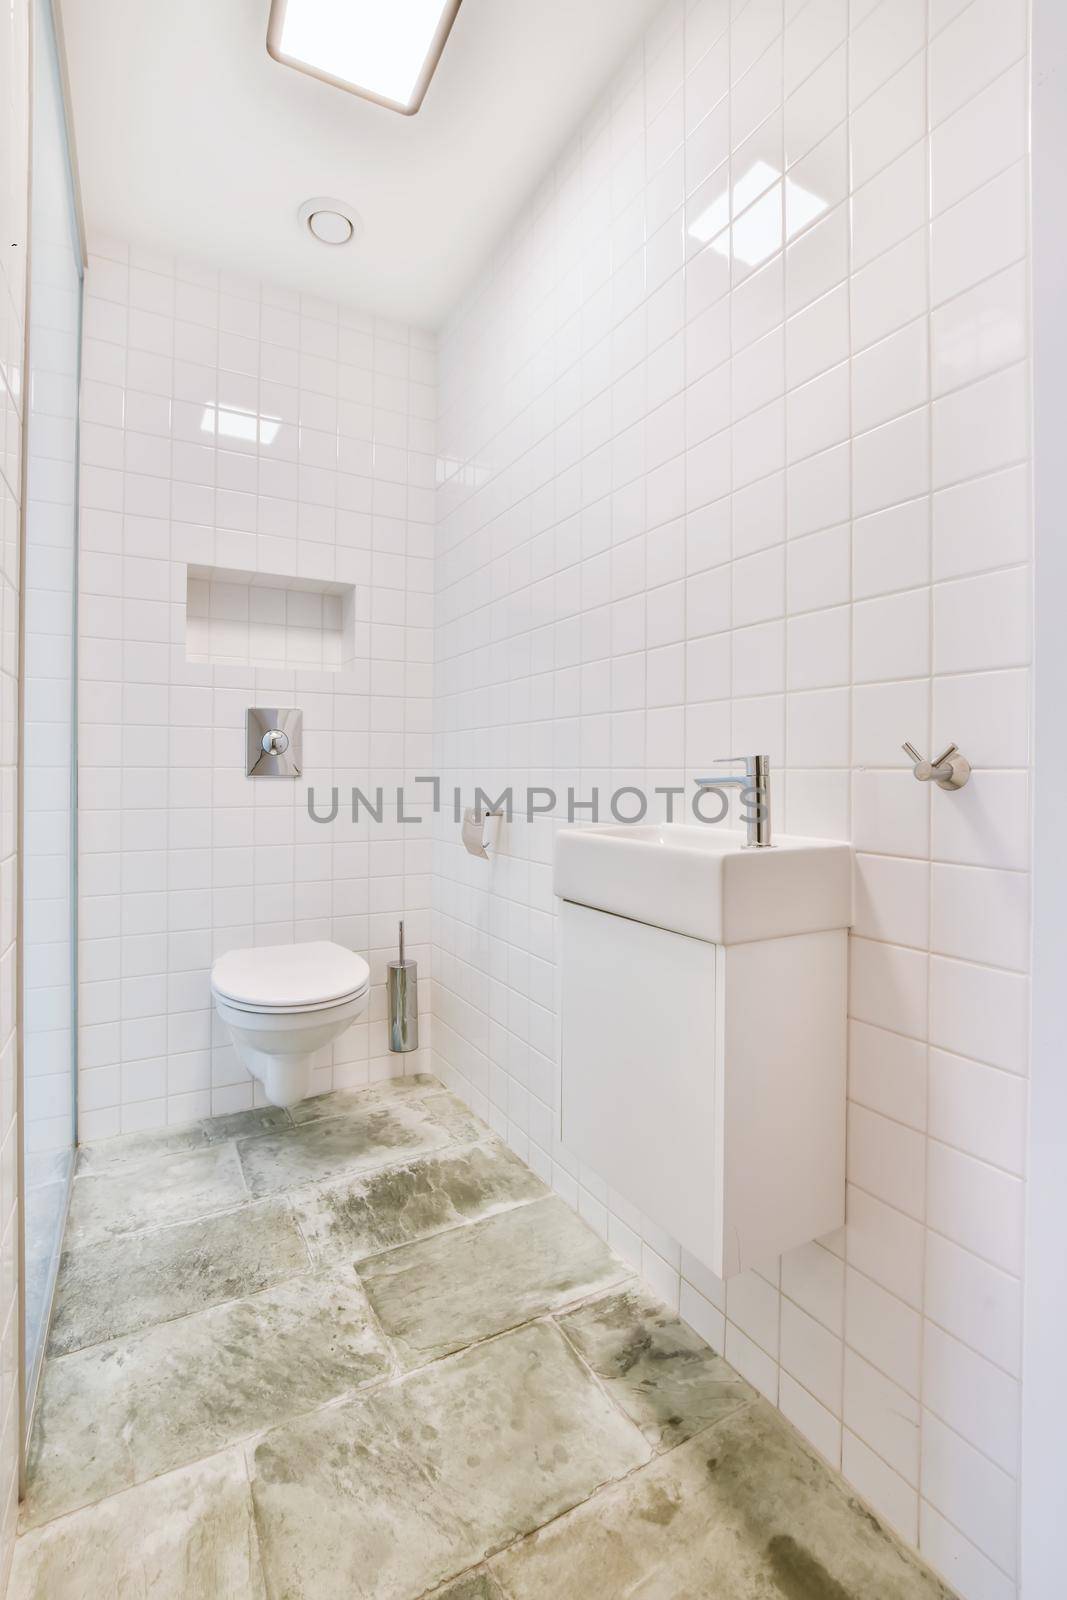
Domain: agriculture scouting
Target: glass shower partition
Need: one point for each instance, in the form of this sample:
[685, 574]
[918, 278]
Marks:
[48, 676]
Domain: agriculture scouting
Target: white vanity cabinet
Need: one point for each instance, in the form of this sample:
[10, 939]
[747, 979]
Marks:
[704, 1079]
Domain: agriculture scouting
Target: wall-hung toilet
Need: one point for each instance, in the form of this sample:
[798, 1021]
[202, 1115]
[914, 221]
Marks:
[283, 1002]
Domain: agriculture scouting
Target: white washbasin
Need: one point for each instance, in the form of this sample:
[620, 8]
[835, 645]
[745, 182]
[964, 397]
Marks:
[701, 881]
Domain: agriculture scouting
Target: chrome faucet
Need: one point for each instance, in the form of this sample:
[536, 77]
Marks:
[755, 788]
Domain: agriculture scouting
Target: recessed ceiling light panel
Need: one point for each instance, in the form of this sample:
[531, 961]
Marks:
[329, 221]
[381, 49]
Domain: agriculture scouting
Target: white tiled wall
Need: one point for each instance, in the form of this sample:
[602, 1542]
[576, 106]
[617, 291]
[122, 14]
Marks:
[14, 146]
[232, 425]
[709, 491]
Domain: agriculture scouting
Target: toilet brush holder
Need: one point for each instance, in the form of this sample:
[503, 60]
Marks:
[402, 978]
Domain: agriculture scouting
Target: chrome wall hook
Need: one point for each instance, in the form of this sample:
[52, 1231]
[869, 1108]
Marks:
[949, 771]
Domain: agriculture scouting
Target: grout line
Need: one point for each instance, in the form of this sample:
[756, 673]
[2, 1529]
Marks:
[929, 1229]
[851, 1267]
[39, 1528]
[943, 955]
[896, 1033]
[933, 1138]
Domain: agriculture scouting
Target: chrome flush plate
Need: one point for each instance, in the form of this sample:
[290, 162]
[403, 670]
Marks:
[273, 740]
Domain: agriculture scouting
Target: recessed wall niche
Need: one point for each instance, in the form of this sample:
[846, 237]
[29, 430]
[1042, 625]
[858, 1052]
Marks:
[261, 619]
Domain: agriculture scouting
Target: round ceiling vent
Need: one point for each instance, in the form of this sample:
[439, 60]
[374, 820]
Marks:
[329, 221]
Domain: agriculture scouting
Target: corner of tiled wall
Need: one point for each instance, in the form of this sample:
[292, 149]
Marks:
[734, 452]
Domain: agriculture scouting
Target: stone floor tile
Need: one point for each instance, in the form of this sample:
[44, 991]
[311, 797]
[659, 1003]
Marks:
[398, 1205]
[446, 1292]
[345, 1102]
[117, 1286]
[743, 1511]
[138, 1149]
[118, 1413]
[187, 1536]
[179, 1187]
[388, 1495]
[128, 1149]
[246, 1124]
[659, 1371]
[458, 1118]
[643, 1459]
[331, 1147]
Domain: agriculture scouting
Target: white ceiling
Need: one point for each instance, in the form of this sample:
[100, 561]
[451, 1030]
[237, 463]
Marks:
[191, 138]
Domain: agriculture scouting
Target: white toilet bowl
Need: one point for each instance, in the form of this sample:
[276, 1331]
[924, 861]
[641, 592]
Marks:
[283, 1002]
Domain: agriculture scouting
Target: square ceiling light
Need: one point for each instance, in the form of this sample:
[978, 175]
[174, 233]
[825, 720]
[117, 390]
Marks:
[384, 50]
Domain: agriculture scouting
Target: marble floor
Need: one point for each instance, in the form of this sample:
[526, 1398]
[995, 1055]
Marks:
[361, 1351]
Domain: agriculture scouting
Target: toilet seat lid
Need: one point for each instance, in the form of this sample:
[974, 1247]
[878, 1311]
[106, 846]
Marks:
[282, 977]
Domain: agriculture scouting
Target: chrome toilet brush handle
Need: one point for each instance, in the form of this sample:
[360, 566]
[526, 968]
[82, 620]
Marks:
[402, 978]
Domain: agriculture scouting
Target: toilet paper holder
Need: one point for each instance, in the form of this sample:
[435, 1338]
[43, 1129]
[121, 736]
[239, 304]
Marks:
[480, 831]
